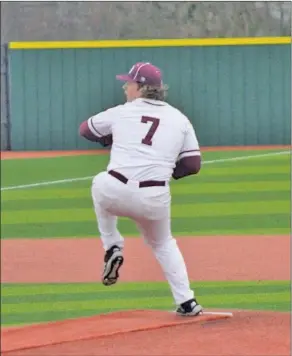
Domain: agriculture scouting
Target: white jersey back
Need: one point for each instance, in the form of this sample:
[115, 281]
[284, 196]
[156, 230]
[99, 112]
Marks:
[149, 136]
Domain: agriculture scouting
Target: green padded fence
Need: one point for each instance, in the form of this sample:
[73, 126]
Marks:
[236, 92]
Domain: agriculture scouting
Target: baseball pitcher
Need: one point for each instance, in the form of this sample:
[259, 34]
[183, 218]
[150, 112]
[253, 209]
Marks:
[151, 141]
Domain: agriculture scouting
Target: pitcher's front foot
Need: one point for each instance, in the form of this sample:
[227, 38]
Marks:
[113, 261]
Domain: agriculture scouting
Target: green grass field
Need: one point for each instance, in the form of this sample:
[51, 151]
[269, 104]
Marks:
[24, 304]
[234, 197]
[249, 196]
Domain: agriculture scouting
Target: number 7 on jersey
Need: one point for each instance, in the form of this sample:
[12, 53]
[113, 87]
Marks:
[147, 140]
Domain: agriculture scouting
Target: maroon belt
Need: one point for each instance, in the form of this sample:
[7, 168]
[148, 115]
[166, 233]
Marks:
[143, 184]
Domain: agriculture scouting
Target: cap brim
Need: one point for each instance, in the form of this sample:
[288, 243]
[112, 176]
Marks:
[124, 78]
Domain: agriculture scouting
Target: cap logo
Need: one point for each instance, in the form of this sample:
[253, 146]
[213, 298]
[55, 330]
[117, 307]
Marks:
[139, 68]
[131, 70]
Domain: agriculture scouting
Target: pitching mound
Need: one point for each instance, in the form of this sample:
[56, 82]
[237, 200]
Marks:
[154, 333]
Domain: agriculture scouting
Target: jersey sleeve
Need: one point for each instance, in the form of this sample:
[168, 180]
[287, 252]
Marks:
[101, 124]
[190, 145]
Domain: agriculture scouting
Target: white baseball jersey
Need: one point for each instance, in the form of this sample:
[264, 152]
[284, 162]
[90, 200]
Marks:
[149, 136]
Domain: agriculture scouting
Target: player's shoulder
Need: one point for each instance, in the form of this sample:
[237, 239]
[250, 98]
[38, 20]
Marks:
[110, 113]
[176, 110]
[178, 115]
[116, 108]
[122, 108]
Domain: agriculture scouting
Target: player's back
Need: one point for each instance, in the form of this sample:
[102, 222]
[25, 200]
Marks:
[147, 138]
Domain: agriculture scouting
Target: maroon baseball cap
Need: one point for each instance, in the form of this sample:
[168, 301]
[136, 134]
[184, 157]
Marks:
[142, 72]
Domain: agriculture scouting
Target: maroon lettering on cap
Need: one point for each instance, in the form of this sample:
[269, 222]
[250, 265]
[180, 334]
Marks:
[145, 73]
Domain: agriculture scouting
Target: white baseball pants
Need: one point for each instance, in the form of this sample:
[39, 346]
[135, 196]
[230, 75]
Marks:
[149, 208]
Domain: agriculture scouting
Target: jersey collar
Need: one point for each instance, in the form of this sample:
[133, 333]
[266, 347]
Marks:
[151, 102]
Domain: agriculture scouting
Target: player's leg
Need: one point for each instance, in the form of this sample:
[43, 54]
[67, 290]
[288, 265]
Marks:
[157, 234]
[112, 240]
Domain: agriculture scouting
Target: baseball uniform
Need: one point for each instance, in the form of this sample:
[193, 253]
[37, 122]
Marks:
[172, 137]
[149, 139]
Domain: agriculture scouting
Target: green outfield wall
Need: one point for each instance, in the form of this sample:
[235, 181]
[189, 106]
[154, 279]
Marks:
[235, 91]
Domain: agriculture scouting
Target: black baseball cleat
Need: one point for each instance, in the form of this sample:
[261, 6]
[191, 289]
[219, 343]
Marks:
[113, 260]
[189, 308]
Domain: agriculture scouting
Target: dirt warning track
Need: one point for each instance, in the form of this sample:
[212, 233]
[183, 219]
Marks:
[49, 154]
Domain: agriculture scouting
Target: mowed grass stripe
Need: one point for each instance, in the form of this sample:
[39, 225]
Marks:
[189, 186]
[261, 162]
[139, 293]
[81, 305]
[242, 178]
[62, 167]
[9, 319]
[15, 289]
[228, 173]
[268, 196]
[216, 225]
[204, 178]
[244, 170]
[26, 318]
[139, 302]
[41, 170]
[76, 166]
[45, 316]
[37, 170]
[178, 211]
[273, 295]
[272, 161]
[86, 202]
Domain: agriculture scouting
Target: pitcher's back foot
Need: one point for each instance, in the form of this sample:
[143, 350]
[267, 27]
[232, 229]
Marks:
[189, 308]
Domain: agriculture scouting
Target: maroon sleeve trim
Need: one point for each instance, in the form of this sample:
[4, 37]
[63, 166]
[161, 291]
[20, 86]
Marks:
[98, 133]
[85, 132]
[189, 151]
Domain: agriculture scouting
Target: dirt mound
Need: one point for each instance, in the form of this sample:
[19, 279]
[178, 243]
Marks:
[161, 333]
